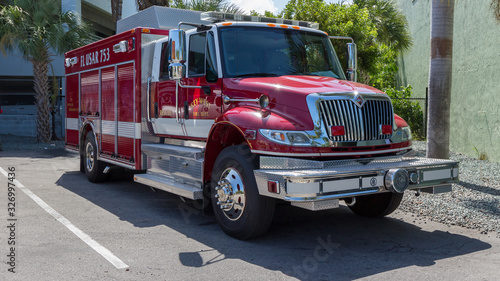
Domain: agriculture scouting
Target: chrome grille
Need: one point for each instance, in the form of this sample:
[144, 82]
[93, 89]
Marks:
[360, 124]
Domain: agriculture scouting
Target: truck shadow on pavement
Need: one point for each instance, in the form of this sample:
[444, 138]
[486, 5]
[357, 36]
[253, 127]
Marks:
[325, 245]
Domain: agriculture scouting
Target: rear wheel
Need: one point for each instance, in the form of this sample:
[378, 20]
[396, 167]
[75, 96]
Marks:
[93, 167]
[376, 205]
[238, 208]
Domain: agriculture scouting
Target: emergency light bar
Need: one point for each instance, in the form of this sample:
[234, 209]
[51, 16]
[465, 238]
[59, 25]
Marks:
[219, 16]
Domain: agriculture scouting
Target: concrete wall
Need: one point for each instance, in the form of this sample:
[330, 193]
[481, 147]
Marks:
[103, 5]
[15, 65]
[129, 8]
[475, 113]
[20, 125]
[25, 125]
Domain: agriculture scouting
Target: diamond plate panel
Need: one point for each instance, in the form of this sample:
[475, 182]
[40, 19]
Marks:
[296, 167]
[318, 205]
[262, 179]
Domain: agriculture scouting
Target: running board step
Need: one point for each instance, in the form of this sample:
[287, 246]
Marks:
[185, 164]
[170, 185]
[173, 150]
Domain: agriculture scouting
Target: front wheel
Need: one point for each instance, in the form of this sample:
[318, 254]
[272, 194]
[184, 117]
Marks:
[238, 208]
[376, 205]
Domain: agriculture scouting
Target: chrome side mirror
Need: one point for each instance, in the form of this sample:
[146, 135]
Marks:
[177, 54]
[352, 62]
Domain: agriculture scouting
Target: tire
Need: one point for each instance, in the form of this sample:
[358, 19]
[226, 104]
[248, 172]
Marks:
[93, 167]
[249, 215]
[82, 164]
[376, 205]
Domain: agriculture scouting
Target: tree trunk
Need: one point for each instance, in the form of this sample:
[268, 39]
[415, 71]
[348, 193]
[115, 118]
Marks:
[116, 9]
[438, 134]
[144, 4]
[41, 81]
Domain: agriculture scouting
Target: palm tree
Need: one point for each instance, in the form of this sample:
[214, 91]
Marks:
[116, 9]
[208, 5]
[37, 28]
[495, 5]
[440, 73]
[391, 24]
[144, 4]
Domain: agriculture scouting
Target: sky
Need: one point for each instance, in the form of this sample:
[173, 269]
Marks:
[261, 6]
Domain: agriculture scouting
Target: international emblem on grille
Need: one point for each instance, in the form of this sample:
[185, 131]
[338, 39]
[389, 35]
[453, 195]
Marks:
[373, 181]
[358, 100]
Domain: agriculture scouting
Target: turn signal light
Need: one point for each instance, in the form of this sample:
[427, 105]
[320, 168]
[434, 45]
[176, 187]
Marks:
[273, 186]
[278, 136]
[338, 130]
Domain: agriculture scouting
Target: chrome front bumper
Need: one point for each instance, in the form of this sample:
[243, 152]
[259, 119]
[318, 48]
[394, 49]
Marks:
[310, 182]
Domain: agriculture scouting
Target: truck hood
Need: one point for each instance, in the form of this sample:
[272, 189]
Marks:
[291, 90]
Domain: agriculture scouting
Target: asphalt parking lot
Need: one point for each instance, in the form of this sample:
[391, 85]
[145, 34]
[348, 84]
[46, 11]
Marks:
[66, 228]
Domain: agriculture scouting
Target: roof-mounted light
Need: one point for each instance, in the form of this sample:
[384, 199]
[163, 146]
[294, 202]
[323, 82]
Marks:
[219, 16]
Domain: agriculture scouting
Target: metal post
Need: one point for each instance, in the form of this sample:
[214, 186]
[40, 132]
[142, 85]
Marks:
[426, 110]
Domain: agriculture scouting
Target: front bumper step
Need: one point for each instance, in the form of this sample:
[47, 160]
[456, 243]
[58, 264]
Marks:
[298, 180]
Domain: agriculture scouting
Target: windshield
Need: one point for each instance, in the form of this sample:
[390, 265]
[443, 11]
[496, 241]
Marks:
[267, 52]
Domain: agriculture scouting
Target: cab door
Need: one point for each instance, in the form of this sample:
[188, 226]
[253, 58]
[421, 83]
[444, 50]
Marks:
[191, 113]
[202, 105]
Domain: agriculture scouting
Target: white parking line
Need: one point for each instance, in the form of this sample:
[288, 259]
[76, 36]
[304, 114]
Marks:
[78, 232]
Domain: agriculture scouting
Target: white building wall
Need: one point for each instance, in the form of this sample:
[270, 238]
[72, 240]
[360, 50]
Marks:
[128, 8]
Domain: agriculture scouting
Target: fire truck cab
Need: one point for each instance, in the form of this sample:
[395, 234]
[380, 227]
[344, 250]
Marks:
[238, 112]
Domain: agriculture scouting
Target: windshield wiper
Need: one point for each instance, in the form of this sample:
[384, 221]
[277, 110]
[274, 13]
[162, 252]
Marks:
[258, 74]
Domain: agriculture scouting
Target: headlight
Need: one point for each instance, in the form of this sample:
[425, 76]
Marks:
[286, 137]
[406, 133]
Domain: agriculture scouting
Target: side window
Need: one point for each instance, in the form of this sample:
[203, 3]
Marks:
[197, 54]
[165, 49]
[211, 59]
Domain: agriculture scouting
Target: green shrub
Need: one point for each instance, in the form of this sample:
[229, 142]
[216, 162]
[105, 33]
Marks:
[409, 110]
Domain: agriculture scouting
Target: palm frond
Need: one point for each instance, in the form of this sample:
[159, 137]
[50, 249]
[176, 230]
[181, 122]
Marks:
[392, 26]
[208, 5]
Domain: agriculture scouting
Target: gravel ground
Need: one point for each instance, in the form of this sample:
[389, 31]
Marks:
[474, 202]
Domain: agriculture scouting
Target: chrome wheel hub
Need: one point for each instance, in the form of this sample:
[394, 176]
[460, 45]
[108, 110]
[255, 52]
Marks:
[230, 194]
[89, 156]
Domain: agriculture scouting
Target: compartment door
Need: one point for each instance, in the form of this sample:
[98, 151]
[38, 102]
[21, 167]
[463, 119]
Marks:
[108, 117]
[72, 109]
[126, 126]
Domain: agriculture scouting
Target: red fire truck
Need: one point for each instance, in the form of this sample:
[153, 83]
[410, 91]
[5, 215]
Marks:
[240, 112]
